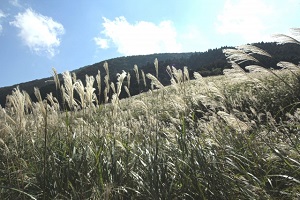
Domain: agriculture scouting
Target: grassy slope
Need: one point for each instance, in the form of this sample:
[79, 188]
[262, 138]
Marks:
[227, 137]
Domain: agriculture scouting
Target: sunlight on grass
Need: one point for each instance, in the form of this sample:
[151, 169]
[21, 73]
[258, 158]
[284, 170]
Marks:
[234, 136]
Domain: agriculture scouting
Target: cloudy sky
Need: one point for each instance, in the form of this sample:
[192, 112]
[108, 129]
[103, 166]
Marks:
[38, 35]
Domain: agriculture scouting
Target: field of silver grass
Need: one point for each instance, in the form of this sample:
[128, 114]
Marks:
[228, 137]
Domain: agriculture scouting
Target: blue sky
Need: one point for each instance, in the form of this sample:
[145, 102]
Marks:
[38, 35]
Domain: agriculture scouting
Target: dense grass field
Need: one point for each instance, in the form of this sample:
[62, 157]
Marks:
[234, 136]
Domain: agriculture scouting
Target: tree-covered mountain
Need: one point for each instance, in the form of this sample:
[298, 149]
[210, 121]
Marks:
[208, 63]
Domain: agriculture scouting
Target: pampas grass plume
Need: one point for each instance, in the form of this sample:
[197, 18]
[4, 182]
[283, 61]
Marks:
[144, 78]
[156, 66]
[136, 70]
[154, 81]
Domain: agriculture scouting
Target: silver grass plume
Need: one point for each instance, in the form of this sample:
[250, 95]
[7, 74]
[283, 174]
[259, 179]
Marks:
[154, 81]
[136, 70]
[156, 66]
[127, 91]
[98, 79]
[114, 101]
[79, 87]
[198, 76]
[283, 39]
[288, 65]
[74, 77]
[4, 116]
[174, 84]
[120, 78]
[186, 73]
[56, 79]
[71, 101]
[106, 81]
[89, 89]
[236, 73]
[106, 91]
[144, 78]
[17, 101]
[128, 79]
[244, 53]
[255, 68]
[63, 93]
[53, 101]
[40, 100]
[69, 89]
[238, 56]
[105, 66]
[169, 71]
[237, 67]
[250, 49]
[201, 80]
[28, 102]
[177, 74]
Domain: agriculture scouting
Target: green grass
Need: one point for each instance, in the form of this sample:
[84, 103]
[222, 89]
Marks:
[208, 138]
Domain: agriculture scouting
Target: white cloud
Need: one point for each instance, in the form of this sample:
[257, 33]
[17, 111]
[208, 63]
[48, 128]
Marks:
[40, 33]
[2, 15]
[102, 43]
[249, 19]
[139, 38]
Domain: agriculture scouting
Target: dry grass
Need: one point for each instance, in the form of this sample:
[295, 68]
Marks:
[228, 137]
